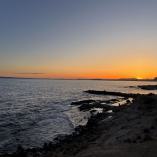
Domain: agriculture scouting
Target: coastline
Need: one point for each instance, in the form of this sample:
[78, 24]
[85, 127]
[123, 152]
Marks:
[89, 79]
[129, 126]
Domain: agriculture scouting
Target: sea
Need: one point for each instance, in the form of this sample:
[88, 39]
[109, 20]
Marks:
[35, 111]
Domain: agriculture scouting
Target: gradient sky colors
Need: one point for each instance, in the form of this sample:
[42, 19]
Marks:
[78, 38]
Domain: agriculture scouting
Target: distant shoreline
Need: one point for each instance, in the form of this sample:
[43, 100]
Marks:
[129, 79]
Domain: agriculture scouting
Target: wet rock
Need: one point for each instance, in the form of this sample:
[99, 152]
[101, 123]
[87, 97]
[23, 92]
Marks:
[82, 102]
[148, 87]
[111, 93]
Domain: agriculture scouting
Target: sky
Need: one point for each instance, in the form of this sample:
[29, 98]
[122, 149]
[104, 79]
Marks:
[78, 38]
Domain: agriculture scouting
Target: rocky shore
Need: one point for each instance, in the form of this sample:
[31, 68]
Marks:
[125, 95]
[148, 87]
[117, 131]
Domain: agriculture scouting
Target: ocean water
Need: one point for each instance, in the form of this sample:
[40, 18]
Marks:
[33, 111]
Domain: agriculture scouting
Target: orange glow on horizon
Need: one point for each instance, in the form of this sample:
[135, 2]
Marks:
[87, 75]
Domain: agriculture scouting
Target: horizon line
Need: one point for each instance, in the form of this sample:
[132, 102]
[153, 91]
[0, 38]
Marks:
[120, 79]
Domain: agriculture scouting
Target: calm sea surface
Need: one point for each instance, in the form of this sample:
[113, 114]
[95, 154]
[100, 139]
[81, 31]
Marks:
[32, 111]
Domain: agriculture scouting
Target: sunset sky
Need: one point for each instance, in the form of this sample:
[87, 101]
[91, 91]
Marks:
[78, 38]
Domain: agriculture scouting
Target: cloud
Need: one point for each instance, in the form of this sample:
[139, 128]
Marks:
[33, 73]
